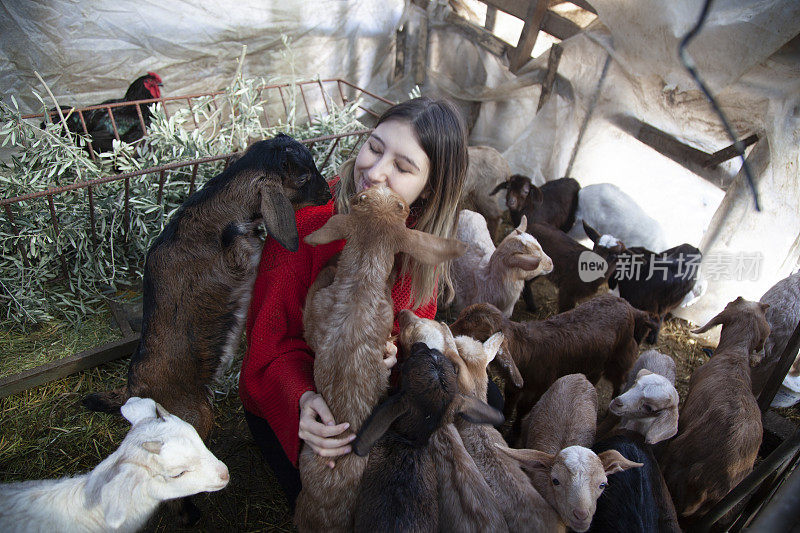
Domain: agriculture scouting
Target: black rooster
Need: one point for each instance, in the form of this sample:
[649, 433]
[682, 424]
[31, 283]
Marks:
[98, 121]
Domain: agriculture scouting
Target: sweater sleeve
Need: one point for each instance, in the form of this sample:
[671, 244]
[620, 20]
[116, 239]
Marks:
[279, 365]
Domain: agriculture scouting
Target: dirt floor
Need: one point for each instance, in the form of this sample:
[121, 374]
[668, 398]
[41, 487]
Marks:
[46, 432]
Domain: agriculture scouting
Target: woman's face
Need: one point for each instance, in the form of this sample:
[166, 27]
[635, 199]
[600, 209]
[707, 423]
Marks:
[393, 157]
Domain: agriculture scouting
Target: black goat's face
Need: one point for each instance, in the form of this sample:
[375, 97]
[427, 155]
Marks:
[288, 180]
[302, 183]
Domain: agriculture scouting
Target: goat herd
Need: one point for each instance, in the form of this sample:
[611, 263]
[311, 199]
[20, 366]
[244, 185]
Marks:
[429, 457]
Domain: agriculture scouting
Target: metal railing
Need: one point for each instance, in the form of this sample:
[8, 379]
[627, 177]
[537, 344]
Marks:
[316, 95]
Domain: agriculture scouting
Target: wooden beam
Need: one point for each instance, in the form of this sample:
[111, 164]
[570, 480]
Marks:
[400, 52]
[421, 55]
[484, 38]
[68, 365]
[558, 26]
[527, 39]
[516, 8]
[552, 69]
[120, 318]
[667, 145]
[491, 18]
[585, 5]
[720, 156]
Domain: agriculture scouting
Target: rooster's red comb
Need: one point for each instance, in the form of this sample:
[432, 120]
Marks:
[154, 76]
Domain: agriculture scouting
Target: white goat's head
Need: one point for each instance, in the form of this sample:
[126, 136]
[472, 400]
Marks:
[523, 254]
[576, 477]
[161, 458]
[649, 407]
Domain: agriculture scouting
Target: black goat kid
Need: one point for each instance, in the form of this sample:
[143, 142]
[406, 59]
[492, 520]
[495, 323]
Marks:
[199, 275]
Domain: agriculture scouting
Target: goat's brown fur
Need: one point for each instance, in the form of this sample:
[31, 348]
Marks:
[719, 428]
[598, 339]
[199, 274]
[347, 323]
[522, 506]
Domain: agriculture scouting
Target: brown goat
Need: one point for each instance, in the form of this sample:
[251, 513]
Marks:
[567, 255]
[719, 428]
[486, 168]
[347, 321]
[598, 338]
[522, 506]
[199, 274]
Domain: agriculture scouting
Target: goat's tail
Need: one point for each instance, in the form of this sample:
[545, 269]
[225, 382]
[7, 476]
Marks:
[107, 402]
[645, 324]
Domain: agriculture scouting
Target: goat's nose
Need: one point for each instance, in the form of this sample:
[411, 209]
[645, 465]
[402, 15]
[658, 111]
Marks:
[581, 514]
[616, 402]
[224, 475]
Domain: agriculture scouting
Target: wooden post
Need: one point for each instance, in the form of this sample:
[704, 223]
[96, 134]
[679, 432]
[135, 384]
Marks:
[400, 52]
[533, 21]
[421, 57]
[781, 368]
[552, 69]
[491, 18]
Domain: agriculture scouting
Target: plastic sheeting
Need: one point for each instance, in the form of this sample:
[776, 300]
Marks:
[759, 89]
[89, 51]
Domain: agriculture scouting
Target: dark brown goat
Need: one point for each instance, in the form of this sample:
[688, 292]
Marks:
[719, 428]
[553, 203]
[653, 282]
[199, 273]
[399, 488]
[567, 255]
[598, 338]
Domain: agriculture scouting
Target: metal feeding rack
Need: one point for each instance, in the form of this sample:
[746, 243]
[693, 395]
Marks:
[317, 97]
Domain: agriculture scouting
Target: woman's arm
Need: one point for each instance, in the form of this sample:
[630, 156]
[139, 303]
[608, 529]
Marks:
[279, 365]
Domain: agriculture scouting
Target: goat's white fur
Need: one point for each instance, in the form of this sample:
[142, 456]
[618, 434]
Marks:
[484, 273]
[609, 210]
[161, 458]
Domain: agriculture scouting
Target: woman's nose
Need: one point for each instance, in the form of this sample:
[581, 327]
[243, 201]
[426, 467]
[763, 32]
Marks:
[379, 172]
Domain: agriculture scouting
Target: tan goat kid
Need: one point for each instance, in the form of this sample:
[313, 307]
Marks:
[348, 319]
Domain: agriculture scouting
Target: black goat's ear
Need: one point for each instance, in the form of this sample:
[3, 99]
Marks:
[535, 193]
[478, 412]
[591, 232]
[378, 423]
[278, 215]
[499, 187]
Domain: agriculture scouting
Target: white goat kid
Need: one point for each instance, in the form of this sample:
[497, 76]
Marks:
[161, 458]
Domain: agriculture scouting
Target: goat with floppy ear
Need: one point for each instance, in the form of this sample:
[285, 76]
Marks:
[160, 458]
[348, 341]
[199, 274]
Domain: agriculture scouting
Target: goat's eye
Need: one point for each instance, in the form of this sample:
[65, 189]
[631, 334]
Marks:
[603, 485]
[179, 475]
[362, 197]
[556, 482]
[648, 408]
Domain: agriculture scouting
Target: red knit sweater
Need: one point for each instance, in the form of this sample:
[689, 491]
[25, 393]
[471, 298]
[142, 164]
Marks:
[279, 366]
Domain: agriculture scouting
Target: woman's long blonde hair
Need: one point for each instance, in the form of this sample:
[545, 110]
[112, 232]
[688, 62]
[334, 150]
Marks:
[442, 136]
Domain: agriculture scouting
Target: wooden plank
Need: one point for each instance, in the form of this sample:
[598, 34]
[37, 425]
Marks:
[720, 156]
[400, 52]
[585, 5]
[68, 365]
[120, 318]
[689, 157]
[552, 68]
[533, 22]
[421, 57]
[478, 35]
[559, 26]
[491, 18]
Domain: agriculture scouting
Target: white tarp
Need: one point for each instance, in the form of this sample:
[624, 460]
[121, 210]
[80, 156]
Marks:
[89, 51]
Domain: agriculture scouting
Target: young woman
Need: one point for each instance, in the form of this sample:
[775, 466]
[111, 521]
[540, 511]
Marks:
[419, 150]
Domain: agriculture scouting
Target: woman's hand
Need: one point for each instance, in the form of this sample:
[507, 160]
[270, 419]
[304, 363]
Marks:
[390, 354]
[321, 434]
